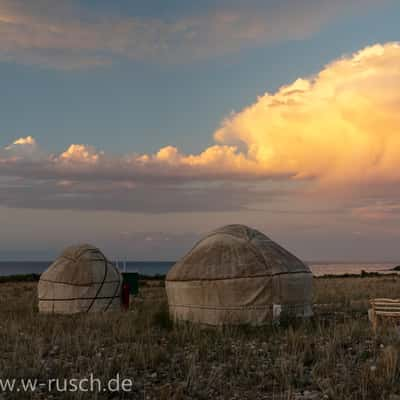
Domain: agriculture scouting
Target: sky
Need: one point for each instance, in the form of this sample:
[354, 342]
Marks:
[140, 126]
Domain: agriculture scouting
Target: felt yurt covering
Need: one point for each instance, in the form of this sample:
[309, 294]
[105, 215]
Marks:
[80, 280]
[237, 275]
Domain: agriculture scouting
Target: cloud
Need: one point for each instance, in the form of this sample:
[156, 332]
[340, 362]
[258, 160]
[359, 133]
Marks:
[20, 150]
[80, 153]
[83, 178]
[385, 210]
[83, 162]
[29, 140]
[331, 136]
[153, 244]
[341, 125]
[128, 197]
[22, 143]
[68, 35]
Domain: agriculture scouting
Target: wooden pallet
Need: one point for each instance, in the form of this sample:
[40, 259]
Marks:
[383, 308]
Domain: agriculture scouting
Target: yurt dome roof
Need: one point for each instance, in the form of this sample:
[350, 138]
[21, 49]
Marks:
[76, 265]
[234, 251]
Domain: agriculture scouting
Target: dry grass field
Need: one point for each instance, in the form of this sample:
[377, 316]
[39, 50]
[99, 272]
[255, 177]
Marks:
[333, 356]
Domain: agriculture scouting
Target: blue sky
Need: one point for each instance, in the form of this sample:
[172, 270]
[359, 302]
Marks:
[96, 73]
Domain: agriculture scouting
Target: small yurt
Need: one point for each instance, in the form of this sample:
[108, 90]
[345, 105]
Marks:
[237, 275]
[80, 280]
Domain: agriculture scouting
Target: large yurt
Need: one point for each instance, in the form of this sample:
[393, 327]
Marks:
[80, 280]
[237, 275]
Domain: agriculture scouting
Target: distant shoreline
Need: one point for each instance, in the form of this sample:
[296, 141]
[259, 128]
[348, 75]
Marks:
[36, 277]
[161, 277]
[162, 267]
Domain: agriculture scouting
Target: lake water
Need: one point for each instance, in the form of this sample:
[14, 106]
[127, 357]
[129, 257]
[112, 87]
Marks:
[161, 267]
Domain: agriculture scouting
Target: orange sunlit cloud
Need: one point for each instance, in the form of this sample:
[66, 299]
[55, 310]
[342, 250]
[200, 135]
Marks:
[343, 124]
[79, 153]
